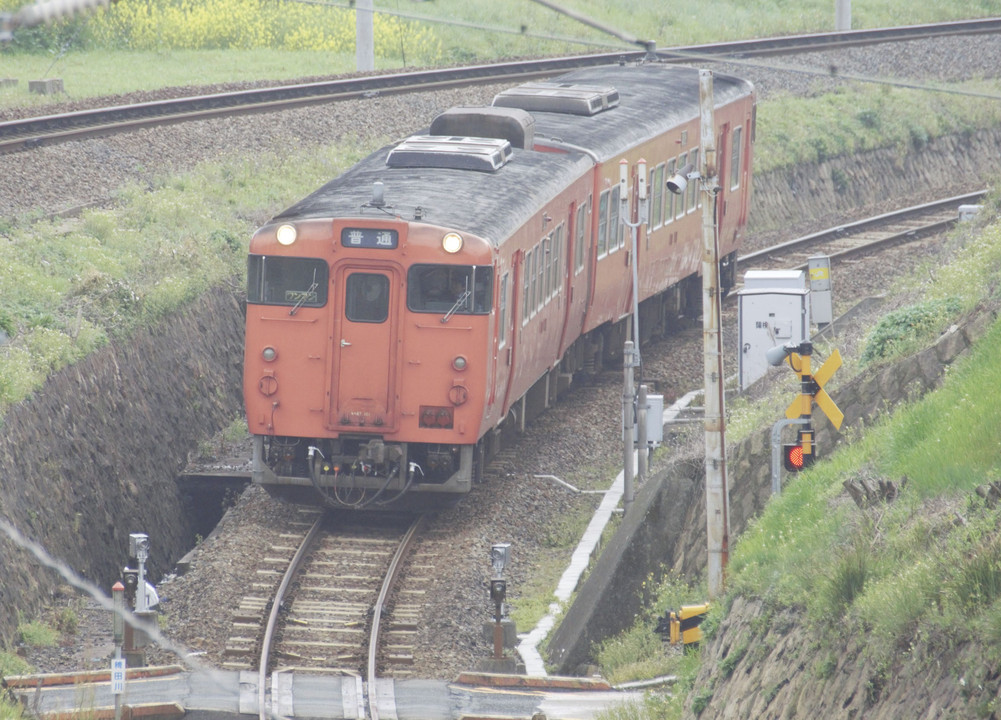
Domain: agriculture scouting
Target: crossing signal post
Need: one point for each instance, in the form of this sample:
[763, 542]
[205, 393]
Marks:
[802, 454]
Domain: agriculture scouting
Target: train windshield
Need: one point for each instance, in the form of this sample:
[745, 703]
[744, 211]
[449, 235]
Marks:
[296, 282]
[450, 289]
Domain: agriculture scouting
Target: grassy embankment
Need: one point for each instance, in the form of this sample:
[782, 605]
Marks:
[923, 571]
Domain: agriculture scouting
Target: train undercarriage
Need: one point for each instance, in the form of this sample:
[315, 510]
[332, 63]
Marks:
[360, 471]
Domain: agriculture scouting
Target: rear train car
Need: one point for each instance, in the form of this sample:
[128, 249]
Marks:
[448, 284]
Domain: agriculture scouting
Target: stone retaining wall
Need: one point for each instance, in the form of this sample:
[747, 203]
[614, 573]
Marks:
[953, 164]
[94, 455]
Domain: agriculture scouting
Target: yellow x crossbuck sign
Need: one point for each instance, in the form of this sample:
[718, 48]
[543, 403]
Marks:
[801, 405]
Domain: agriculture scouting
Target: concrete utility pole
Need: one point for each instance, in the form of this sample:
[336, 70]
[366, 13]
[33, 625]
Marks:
[717, 494]
[842, 14]
[364, 36]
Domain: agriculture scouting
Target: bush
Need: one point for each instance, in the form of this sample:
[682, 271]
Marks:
[38, 634]
[903, 330]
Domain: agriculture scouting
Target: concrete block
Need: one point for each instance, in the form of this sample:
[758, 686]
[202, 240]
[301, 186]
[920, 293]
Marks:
[502, 666]
[950, 345]
[8, 82]
[509, 630]
[46, 87]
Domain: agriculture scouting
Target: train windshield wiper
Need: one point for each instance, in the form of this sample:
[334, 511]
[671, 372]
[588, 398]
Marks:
[459, 302]
[305, 294]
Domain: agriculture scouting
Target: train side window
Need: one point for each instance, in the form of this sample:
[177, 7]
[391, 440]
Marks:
[580, 232]
[557, 254]
[544, 269]
[366, 297]
[669, 198]
[296, 282]
[483, 289]
[656, 188]
[527, 292]
[735, 159]
[603, 223]
[533, 271]
[616, 236]
[502, 312]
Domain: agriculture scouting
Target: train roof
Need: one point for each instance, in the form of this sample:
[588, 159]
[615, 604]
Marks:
[491, 205]
[652, 99]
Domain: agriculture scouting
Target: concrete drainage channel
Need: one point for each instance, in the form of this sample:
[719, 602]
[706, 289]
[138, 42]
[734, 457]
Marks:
[570, 581]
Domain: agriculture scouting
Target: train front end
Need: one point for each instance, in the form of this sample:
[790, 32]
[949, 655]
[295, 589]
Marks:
[367, 358]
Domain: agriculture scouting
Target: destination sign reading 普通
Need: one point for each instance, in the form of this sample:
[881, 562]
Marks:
[370, 238]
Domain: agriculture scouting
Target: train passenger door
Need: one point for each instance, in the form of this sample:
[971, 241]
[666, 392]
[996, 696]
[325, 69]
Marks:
[363, 382]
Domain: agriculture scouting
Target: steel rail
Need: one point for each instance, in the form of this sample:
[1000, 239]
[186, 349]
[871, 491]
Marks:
[31, 132]
[813, 42]
[841, 231]
[387, 585]
[269, 631]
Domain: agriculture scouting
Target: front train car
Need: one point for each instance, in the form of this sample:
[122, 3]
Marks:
[370, 369]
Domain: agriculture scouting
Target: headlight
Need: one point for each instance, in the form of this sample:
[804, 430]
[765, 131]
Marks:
[459, 363]
[286, 234]
[269, 354]
[452, 243]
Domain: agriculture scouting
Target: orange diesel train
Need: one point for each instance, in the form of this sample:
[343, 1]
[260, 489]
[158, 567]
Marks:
[447, 284]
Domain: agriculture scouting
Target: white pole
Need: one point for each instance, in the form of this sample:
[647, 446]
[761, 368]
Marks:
[842, 14]
[629, 361]
[717, 495]
[364, 36]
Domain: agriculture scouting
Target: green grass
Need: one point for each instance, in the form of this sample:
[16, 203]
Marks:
[929, 560]
[38, 634]
[94, 73]
[535, 596]
[69, 286]
[639, 653]
[860, 117]
[11, 710]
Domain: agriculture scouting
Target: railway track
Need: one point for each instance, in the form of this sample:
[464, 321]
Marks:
[863, 237]
[33, 132]
[326, 602]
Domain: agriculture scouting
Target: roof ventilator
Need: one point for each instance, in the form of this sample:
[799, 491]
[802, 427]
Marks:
[461, 153]
[564, 98]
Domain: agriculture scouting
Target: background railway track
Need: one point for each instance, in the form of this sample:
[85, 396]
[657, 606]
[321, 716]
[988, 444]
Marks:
[863, 236]
[37, 131]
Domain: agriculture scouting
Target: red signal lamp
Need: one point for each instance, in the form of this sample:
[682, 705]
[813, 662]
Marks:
[795, 458]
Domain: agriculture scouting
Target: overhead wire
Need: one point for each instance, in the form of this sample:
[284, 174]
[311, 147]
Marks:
[829, 72]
